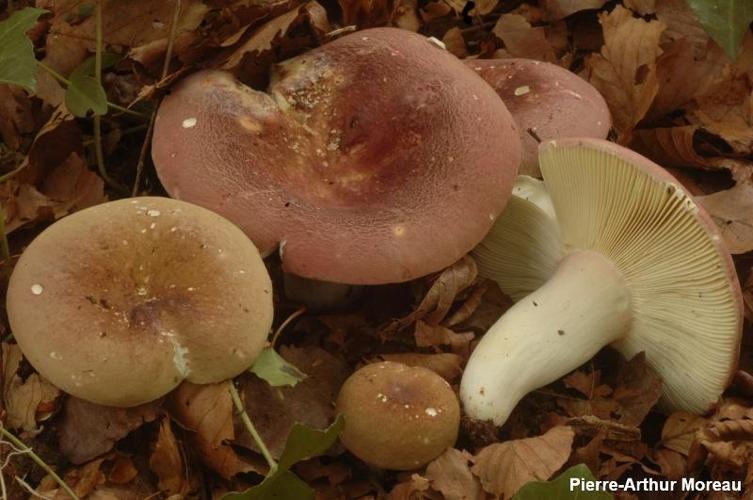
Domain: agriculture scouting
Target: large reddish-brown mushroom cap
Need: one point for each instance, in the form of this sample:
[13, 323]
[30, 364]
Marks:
[119, 303]
[376, 158]
[547, 102]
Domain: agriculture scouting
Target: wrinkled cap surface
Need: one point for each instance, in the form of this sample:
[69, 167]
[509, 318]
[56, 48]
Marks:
[119, 303]
[376, 158]
[547, 102]
[686, 300]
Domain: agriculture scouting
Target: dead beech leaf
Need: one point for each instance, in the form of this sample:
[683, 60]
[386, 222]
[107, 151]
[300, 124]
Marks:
[16, 117]
[679, 431]
[451, 475]
[438, 300]
[406, 15]
[208, 411]
[732, 210]
[642, 7]
[554, 10]
[122, 471]
[523, 40]
[625, 70]
[166, 461]
[682, 23]
[263, 38]
[504, 468]
[25, 401]
[445, 364]
[88, 430]
[411, 489]
[427, 335]
[638, 391]
[587, 384]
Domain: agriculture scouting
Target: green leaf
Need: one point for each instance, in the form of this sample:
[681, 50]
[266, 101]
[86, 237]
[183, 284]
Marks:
[726, 21]
[559, 488]
[84, 92]
[17, 63]
[303, 443]
[273, 368]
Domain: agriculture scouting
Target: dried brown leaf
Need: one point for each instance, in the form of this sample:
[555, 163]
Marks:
[732, 210]
[208, 411]
[672, 464]
[504, 468]
[122, 471]
[642, 7]
[555, 10]
[88, 430]
[523, 40]
[625, 70]
[427, 335]
[639, 390]
[445, 364]
[679, 431]
[450, 474]
[166, 462]
[454, 42]
[416, 487]
[26, 401]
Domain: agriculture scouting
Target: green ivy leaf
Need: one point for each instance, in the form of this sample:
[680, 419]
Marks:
[85, 93]
[272, 368]
[303, 443]
[17, 63]
[559, 488]
[726, 21]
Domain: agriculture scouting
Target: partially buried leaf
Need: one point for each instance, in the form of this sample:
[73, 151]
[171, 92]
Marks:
[303, 443]
[725, 20]
[17, 63]
[166, 461]
[523, 40]
[451, 475]
[24, 398]
[504, 468]
[555, 10]
[560, 489]
[272, 368]
[732, 210]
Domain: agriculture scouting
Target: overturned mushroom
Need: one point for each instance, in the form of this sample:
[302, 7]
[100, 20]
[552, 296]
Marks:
[119, 303]
[376, 158]
[616, 253]
[398, 417]
[547, 102]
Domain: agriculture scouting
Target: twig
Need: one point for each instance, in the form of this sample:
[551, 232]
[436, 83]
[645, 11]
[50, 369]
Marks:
[286, 323]
[150, 128]
[4, 250]
[37, 460]
[250, 426]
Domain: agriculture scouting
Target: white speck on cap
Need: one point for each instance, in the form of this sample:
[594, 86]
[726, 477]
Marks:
[522, 90]
[432, 412]
[153, 213]
[189, 122]
[37, 289]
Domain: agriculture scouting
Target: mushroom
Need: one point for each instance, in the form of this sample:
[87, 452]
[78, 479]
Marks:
[398, 417]
[373, 159]
[547, 102]
[119, 303]
[617, 253]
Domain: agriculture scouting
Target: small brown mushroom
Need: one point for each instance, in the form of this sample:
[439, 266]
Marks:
[398, 417]
[375, 158]
[119, 303]
[547, 102]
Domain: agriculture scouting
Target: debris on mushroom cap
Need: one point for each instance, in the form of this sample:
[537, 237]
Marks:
[640, 267]
[376, 158]
[119, 303]
[398, 417]
[547, 102]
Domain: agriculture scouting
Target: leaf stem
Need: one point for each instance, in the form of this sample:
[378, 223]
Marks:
[285, 323]
[41, 463]
[250, 426]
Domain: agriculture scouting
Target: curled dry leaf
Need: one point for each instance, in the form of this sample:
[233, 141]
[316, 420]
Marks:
[450, 474]
[437, 335]
[89, 430]
[207, 410]
[445, 364]
[166, 461]
[679, 431]
[415, 487]
[439, 299]
[523, 40]
[454, 42]
[26, 401]
[625, 70]
[554, 10]
[504, 468]
[732, 210]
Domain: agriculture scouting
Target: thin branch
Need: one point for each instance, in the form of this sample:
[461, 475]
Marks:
[285, 323]
[37, 460]
[250, 426]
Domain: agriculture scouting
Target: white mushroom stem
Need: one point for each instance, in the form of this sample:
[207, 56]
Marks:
[583, 307]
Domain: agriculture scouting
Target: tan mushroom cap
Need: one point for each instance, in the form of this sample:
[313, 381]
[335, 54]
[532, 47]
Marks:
[547, 102]
[376, 158]
[119, 303]
[398, 417]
